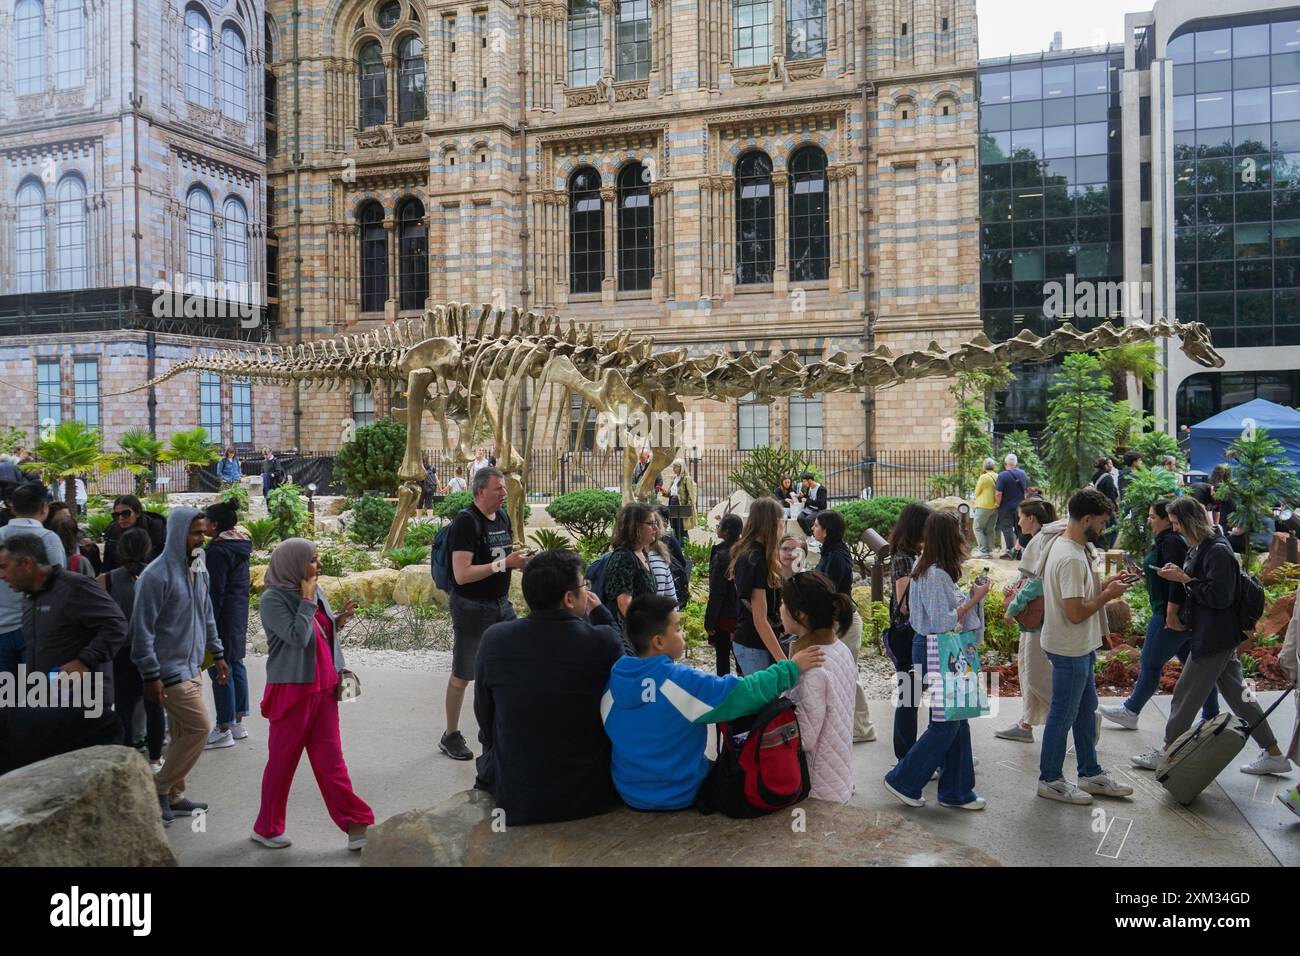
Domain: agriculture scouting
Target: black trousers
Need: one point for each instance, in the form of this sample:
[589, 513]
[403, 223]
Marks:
[898, 644]
[722, 648]
[127, 689]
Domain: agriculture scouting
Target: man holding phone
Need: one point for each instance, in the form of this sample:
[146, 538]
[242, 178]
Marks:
[482, 557]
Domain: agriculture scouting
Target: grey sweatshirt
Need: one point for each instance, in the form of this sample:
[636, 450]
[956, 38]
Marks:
[172, 622]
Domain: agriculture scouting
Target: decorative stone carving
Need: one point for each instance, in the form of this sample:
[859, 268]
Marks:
[409, 134]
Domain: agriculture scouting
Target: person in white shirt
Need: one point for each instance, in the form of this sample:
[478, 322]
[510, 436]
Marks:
[1074, 609]
[457, 482]
[480, 461]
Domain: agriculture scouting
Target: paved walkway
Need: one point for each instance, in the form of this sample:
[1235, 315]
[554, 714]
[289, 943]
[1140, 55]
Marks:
[390, 740]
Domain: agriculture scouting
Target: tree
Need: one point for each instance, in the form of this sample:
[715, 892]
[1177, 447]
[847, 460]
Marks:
[370, 461]
[585, 512]
[11, 439]
[879, 514]
[1261, 480]
[1019, 443]
[69, 450]
[284, 506]
[1080, 423]
[194, 449]
[1144, 486]
[762, 469]
[140, 455]
[1154, 445]
[1137, 359]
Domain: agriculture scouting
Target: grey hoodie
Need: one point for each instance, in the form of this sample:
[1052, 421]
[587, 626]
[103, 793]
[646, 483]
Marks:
[172, 621]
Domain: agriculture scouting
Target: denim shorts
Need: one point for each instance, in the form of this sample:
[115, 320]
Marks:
[469, 619]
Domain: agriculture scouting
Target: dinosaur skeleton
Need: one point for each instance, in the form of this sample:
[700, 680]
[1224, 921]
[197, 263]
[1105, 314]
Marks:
[466, 365]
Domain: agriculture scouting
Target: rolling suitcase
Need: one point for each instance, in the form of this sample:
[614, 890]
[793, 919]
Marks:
[1199, 756]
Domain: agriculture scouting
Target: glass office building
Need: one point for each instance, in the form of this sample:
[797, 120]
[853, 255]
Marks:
[1051, 203]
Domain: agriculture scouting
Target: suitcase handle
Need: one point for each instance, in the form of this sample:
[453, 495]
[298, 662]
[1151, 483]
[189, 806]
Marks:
[1272, 707]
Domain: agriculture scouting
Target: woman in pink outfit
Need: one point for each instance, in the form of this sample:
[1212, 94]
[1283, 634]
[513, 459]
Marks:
[301, 699]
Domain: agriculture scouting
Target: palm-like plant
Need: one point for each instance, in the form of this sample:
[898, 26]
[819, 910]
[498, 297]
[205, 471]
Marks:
[71, 449]
[194, 449]
[1137, 359]
[140, 455]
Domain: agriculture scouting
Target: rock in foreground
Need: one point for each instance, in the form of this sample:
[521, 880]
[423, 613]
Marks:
[92, 807]
[461, 831]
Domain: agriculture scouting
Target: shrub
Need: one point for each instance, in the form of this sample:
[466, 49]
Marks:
[763, 468]
[263, 531]
[338, 560]
[156, 502]
[592, 546]
[408, 555]
[287, 509]
[692, 621]
[1139, 603]
[1144, 486]
[1080, 422]
[422, 533]
[372, 516]
[548, 539]
[585, 513]
[370, 461]
[1000, 636]
[97, 524]
[97, 503]
[697, 553]
[879, 514]
[239, 495]
[1153, 446]
[1261, 480]
[452, 505]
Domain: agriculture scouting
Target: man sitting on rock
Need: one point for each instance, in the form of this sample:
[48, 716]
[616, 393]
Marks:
[538, 684]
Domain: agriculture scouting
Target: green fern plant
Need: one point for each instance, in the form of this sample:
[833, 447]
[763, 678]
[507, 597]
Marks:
[407, 555]
[97, 524]
[421, 533]
[264, 532]
[548, 539]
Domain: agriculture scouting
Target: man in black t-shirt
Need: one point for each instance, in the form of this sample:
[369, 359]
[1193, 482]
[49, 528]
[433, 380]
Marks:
[482, 558]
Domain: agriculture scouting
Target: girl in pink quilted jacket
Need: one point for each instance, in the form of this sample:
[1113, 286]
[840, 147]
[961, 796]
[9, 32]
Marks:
[813, 611]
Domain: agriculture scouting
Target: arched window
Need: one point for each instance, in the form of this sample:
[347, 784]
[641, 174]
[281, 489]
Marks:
[410, 81]
[751, 36]
[234, 75]
[72, 233]
[31, 237]
[809, 216]
[805, 29]
[69, 44]
[755, 214]
[200, 256]
[632, 39]
[198, 58]
[636, 234]
[584, 42]
[373, 95]
[234, 253]
[29, 43]
[586, 232]
[374, 258]
[412, 254]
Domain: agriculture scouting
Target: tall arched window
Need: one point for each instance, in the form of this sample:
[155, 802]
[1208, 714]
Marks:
[31, 237]
[72, 233]
[200, 257]
[636, 234]
[584, 42]
[809, 216]
[374, 258]
[412, 254]
[234, 75]
[29, 46]
[69, 44]
[632, 39]
[805, 29]
[373, 94]
[198, 58]
[751, 37]
[586, 232]
[234, 252]
[755, 215]
[410, 81]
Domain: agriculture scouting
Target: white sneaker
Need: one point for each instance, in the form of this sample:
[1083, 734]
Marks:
[910, 801]
[1119, 714]
[219, 740]
[1064, 791]
[1103, 786]
[356, 843]
[1266, 763]
[275, 842]
[239, 731]
[977, 804]
[155, 767]
[1016, 732]
[1147, 759]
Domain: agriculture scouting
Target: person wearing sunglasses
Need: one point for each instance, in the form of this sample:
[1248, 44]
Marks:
[129, 513]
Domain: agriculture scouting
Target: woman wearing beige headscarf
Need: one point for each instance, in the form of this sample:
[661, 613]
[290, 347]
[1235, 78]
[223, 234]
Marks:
[301, 701]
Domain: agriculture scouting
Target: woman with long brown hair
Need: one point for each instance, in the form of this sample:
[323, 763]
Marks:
[756, 569]
[937, 607]
[905, 540]
[628, 575]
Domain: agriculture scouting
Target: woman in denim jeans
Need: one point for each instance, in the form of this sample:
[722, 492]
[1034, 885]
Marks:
[937, 606]
[904, 548]
[1166, 637]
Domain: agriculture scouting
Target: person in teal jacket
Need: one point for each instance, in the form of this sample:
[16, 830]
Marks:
[656, 711]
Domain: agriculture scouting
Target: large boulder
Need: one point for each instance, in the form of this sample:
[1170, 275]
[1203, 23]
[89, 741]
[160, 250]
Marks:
[92, 807]
[415, 587]
[1277, 617]
[257, 577]
[368, 587]
[737, 502]
[465, 830]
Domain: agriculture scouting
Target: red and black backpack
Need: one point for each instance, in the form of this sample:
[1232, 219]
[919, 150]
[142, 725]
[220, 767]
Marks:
[766, 773]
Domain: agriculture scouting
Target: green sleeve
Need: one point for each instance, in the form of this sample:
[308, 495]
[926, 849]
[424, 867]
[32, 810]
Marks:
[1033, 588]
[753, 692]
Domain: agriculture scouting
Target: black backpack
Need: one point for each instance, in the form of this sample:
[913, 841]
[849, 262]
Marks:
[1250, 601]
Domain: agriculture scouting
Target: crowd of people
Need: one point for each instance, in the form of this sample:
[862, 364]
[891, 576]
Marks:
[585, 700]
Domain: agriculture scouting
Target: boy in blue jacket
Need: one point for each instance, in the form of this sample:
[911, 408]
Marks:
[656, 711]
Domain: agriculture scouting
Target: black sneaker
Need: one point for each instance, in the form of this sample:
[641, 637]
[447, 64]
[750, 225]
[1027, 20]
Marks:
[166, 805]
[187, 808]
[453, 745]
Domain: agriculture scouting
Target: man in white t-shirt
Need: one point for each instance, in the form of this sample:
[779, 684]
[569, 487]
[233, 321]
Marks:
[1074, 622]
[457, 482]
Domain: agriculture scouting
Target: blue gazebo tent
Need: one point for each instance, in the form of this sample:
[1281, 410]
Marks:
[1211, 438]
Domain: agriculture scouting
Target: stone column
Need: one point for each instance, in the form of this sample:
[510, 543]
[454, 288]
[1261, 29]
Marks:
[390, 228]
[725, 205]
[780, 229]
[390, 88]
[609, 206]
[607, 13]
[351, 272]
